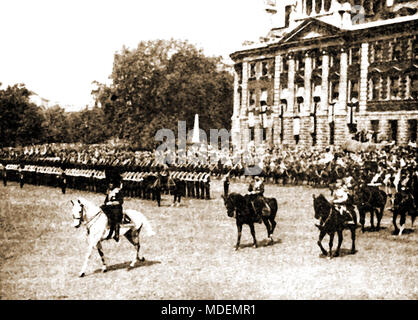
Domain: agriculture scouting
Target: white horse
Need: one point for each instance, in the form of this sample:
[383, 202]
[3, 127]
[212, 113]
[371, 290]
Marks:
[96, 222]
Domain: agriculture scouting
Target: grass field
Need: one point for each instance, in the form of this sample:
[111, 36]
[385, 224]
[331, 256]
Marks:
[192, 254]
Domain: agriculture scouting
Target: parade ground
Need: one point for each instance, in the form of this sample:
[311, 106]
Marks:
[192, 255]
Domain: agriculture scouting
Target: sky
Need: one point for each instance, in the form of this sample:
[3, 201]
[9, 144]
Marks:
[57, 48]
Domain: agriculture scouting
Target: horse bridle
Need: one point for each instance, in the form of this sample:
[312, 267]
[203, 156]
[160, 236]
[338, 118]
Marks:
[81, 219]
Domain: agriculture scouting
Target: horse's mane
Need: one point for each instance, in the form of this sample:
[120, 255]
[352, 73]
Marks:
[321, 200]
[88, 204]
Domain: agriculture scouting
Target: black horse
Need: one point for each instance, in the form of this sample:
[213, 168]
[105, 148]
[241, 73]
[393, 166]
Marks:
[241, 208]
[370, 199]
[403, 204]
[331, 221]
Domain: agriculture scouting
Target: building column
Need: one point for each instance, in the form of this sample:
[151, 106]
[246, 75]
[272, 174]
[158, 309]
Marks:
[276, 100]
[244, 106]
[341, 107]
[322, 112]
[291, 100]
[308, 92]
[235, 116]
[363, 84]
[341, 128]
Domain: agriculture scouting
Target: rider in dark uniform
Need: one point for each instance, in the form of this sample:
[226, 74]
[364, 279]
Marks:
[113, 209]
[256, 190]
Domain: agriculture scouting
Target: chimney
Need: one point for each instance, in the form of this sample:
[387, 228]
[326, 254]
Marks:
[288, 11]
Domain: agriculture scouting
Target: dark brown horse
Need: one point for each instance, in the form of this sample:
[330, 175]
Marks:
[241, 208]
[370, 199]
[403, 205]
[331, 222]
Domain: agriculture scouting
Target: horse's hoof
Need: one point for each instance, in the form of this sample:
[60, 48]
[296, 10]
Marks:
[82, 274]
[336, 254]
[329, 257]
[141, 259]
[236, 248]
[104, 270]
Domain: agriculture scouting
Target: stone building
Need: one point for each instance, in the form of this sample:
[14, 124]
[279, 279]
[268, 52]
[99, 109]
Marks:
[326, 69]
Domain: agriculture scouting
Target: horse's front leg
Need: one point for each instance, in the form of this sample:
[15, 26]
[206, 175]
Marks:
[372, 211]
[239, 229]
[100, 250]
[362, 214]
[402, 223]
[269, 229]
[331, 242]
[394, 217]
[84, 267]
[321, 236]
[340, 241]
[353, 239]
[253, 234]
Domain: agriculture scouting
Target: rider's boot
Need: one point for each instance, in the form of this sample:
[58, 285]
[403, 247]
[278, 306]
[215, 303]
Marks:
[116, 236]
[111, 229]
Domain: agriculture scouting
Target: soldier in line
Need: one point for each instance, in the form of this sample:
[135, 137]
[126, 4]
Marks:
[3, 173]
[21, 175]
[226, 182]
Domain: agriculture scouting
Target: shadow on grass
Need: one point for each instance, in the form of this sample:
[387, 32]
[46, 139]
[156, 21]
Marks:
[262, 243]
[343, 253]
[126, 265]
[370, 229]
[405, 231]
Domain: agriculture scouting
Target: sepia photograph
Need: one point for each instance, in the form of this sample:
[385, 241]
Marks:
[195, 150]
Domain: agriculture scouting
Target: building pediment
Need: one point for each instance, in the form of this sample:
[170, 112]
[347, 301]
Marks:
[310, 29]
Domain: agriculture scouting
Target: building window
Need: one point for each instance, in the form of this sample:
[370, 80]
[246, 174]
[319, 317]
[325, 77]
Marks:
[354, 90]
[263, 97]
[334, 61]
[393, 133]
[317, 62]
[300, 64]
[396, 50]
[299, 105]
[378, 52]
[413, 92]
[354, 55]
[285, 65]
[252, 70]
[251, 101]
[395, 93]
[376, 88]
[252, 134]
[238, 70]
[375, 129]
[265, 70]
[412, 129]
[334, 90]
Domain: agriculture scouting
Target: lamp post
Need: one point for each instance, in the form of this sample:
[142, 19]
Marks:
[352, 106]
[316, 100]
[331, 120]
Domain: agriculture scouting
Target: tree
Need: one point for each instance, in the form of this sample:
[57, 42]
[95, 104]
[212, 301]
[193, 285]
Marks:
[56, 125]
[161, 82]
[20, 120]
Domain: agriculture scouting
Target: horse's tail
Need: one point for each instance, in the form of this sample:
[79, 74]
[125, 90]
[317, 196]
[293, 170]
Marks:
[140, 220]
[272, 203]
[147, 226]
